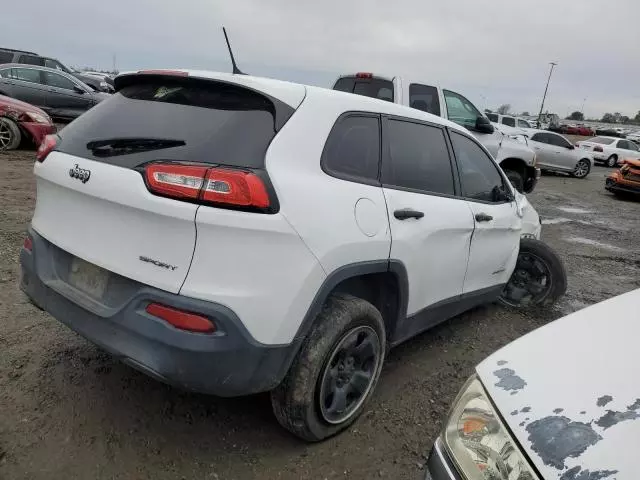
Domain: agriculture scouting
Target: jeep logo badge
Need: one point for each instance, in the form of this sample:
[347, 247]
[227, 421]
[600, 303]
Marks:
[80, 173]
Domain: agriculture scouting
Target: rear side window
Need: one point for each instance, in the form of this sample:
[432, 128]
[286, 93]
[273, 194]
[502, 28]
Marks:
[6, 57]
[369, 87]
[31, 60]
[493, 117]
[509, 121]
[177, 119]
[417, 158]
[541, 137]
[425, 98]
[55, 80]
[352, 151]
[523, 124]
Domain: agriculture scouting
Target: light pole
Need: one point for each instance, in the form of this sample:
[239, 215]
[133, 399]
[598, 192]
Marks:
[553, 64]
[582, 109]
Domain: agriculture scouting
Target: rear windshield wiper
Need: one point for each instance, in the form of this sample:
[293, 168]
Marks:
[125, 146]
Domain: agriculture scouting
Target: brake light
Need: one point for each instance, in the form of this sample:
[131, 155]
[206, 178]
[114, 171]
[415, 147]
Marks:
[598, 148]
[364, 75]
[48, 144]
[28, 244]
[223, 186]
[191, 322]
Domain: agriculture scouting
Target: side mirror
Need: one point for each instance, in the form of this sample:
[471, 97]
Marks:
[483, 125]
[77, 89]
[571, 147]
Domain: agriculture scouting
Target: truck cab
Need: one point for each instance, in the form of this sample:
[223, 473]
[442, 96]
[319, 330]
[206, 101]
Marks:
[516, 159]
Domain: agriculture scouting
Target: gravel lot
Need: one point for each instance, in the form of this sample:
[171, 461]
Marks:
[68, 410]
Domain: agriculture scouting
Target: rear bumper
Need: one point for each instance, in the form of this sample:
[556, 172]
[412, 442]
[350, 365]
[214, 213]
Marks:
[228, 362]
[439, 465]
[38, 131]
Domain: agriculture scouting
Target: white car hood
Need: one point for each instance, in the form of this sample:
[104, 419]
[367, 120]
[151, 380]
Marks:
[570, 392]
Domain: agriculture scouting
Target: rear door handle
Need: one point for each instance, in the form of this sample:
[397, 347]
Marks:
[407, 213]
[483, 217]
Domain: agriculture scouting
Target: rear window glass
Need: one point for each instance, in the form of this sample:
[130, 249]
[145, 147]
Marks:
[369, 87]
[192, 120]
[493, 117]
[602, 140]
[6, 57]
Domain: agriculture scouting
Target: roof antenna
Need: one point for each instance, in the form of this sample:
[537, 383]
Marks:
[236, 70]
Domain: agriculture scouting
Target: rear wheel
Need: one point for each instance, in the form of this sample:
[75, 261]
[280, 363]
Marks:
[516, 179]
[335, 372]
[10, 136]
[612, 161]
[583, 167]
[539, 277]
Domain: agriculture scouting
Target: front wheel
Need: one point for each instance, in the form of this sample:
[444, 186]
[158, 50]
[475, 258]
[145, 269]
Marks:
[538, 279]
[335, 372]
[10, 136]
[583, 167]
[516, 179]
[612, 161]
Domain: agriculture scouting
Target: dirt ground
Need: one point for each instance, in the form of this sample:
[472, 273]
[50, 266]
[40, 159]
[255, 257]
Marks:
[69, 411]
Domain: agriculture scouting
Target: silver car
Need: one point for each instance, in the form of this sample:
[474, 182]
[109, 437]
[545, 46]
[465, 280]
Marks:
[59, 94]
[556, 153]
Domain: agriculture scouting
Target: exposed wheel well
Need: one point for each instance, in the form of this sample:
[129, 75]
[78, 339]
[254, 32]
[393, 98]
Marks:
[382, 290]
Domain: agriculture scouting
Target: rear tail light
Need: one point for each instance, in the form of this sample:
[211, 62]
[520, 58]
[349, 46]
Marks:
[598, 149]
[28, 244]
[191, 322]
[224, 186]
[364, 75]
[45, 148]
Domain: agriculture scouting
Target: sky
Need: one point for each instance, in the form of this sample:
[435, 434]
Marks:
[494, 52]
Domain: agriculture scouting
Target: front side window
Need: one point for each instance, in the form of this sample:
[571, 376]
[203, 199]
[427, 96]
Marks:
[493, 117]
[623, 144]
[418, 158]
[509, 121]
[479, 175]
[50, 63]
[26, 74]
[352, 150]
[541, 138]
[558, 141]
[460, 110]
[632, 146]
[523, 124]
[425, 98]
[58, 81]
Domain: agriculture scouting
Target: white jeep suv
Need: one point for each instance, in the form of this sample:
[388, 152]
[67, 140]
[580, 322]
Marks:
[231, 234]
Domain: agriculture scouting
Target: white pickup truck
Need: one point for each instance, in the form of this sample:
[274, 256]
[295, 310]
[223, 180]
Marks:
[516, 159]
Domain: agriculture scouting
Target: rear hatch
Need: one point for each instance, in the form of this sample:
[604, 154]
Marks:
[121, 188]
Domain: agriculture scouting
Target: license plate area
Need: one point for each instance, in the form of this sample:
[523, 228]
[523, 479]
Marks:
[88, 278]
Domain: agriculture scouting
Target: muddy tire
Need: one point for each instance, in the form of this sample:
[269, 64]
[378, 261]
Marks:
[516, 179]
[10, 135]
[539, 278]
[612, 161]
[335, 372]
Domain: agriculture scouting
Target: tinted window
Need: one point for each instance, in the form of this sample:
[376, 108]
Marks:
[369, 87]
[6, 57]
[601, 140]
[461, 110]
[417, 158]
[623, 144]
[55, 80]
[493, 117]
[353, 148]
[26, 74]
[540, 137]
[632, 146]
[50, 63]
[218, 123]
[5, 73]
[31, 60]
[558, 140]
[425, 98]
[479, 175]
[523, 124]
[509, 121]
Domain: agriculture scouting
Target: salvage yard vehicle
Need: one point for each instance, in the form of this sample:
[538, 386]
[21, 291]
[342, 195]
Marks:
[626, 180]
[516, 159]
[544, 408]
[610, 150]
[509, 120]
[19, 120]
[292, 283]
[61, 95]
[30, 58]
[556, 153]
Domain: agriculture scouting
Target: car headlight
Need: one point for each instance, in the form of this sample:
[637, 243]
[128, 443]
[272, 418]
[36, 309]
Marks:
[38, 118]
[478, 441]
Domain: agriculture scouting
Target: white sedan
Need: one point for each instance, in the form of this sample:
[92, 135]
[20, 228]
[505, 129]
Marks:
[554, 152]
[610, 150]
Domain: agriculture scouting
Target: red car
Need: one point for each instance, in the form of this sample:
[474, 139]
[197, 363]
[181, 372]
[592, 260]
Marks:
[580, 130]
[19, 120]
